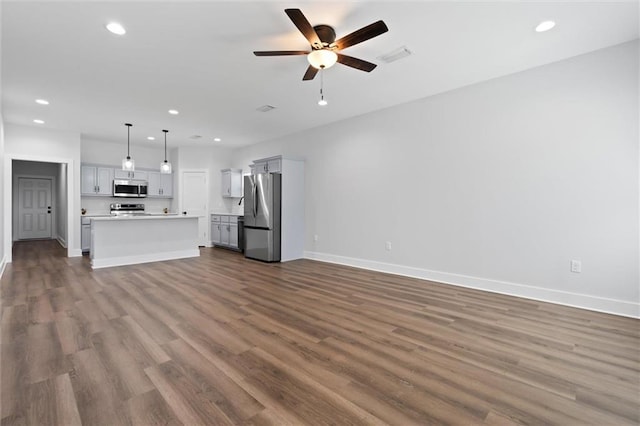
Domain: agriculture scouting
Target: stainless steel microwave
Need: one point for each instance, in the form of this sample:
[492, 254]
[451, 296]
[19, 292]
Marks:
[130, 188]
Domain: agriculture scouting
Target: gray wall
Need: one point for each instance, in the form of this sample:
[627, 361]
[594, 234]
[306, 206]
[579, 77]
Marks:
[497, 185]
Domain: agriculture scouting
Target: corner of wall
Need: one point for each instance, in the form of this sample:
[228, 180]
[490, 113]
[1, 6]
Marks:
[62, 241]
[3, 264]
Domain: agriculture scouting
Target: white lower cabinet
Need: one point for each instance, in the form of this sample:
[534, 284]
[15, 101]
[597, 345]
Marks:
[224, 231]
[85, 235]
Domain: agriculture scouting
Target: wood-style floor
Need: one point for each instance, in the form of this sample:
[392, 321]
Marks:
[223, 340]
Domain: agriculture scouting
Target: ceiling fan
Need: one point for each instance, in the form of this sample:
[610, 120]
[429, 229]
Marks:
[324, 46]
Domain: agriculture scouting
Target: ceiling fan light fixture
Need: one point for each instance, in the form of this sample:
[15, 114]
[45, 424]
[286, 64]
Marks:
[322, 58]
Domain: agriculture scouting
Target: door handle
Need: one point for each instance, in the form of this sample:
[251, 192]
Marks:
[255, 200]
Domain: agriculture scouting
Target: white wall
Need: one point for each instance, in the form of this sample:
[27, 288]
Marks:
[3, 259]
[61, 205]
[212, 159]
[32, 143]
[111, 154]
[2, 221]
[497, 185]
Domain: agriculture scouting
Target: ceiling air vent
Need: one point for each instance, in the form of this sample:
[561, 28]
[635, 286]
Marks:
[399, 53]
[195, 137]
[265, 108]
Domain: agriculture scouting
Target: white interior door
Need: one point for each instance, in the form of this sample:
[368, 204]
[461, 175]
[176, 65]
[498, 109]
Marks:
[34, 208]
[193, 196]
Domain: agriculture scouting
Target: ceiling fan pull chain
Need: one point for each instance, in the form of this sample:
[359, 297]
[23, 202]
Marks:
[322, 102]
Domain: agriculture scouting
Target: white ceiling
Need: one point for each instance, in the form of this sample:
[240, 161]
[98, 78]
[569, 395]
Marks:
[197, 57]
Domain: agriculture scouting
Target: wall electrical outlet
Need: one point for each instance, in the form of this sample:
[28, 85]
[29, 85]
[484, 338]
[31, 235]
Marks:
[387, 246]
[315, 237]
[576, 266]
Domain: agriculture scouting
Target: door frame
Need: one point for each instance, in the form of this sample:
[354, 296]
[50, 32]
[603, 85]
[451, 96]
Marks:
[207, 241]
[72, 250]
[16, 207]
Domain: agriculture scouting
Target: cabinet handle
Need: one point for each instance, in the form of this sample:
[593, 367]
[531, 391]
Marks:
[98, 188]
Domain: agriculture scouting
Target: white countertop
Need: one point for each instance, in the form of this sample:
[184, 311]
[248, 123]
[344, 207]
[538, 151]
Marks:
[144, 217]
[219, 213]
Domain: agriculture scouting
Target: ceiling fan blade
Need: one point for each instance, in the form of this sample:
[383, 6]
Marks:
[356, 63]
[281, 53]
[301, 22]
[363, 34]
[311, 73]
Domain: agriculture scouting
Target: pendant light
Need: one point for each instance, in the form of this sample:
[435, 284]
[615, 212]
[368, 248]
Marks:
[165, 166]
[322, 102]
[127, 163]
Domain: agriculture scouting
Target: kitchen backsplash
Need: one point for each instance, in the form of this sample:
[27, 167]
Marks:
[231, 206]
[100, 205]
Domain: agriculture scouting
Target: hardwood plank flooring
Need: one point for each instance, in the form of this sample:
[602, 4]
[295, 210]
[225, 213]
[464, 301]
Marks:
[220, 339]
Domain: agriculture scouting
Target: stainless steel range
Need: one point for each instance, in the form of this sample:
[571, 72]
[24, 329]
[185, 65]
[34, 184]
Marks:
[120, 209]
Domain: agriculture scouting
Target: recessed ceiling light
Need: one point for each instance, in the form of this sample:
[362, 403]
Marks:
[265, 108]
[42, 101]
[116, 28]
[37, 121]
[217, 139]
[174, 112]
[151, 138]
[545, 26]
[399, 53]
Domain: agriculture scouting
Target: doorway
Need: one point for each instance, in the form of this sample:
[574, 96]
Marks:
[194, 196]
[34, 208]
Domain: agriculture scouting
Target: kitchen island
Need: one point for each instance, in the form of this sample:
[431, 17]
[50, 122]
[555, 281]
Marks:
[128, 240]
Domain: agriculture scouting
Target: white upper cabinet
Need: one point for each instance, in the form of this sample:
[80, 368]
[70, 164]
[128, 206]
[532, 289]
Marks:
[267, 165]
[160, 185]
[231, 183]
[96, 180]
[124, 174]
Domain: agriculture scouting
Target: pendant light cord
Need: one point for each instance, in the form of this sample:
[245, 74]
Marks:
[165, 145]
[128, 129]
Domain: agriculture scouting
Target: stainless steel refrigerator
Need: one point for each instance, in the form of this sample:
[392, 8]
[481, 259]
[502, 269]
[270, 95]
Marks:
[262, 216]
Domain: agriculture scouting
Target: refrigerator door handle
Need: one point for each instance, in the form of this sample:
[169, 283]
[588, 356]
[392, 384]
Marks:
[255, 200]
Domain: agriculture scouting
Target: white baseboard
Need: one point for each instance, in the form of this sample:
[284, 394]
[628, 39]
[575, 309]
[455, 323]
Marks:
[144, 258]
[75, 253]
[61, 241]
[3, 264]
[593, 303]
